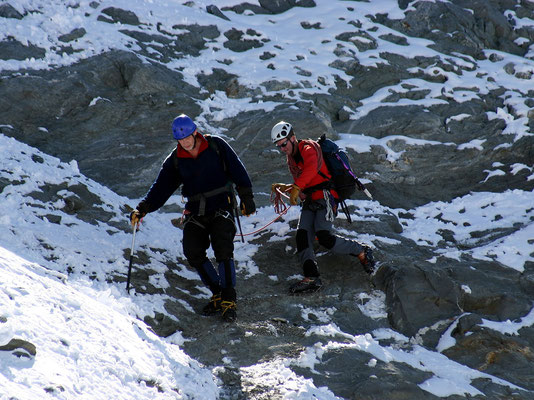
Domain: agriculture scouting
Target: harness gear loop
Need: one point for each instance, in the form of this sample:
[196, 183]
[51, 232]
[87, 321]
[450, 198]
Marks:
[225, 214]
[330, 214]
[192, 219]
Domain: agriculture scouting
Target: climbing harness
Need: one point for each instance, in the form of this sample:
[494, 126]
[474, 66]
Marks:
[280, 208]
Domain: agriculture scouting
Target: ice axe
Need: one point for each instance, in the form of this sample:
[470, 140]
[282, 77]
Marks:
[132, 252]
[362, 187]
[358, 183]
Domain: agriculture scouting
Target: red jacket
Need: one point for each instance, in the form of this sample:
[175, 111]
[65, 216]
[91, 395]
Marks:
[305, 167]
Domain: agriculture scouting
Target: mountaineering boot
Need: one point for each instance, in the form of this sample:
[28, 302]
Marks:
[229, 313]
[228, 304]
[214, 305]
[367, 260]
[307, 285]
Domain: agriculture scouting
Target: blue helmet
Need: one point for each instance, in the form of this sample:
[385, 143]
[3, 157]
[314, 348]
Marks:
[182, 127]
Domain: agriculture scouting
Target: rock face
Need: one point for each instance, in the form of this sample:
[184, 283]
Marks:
[434, 140]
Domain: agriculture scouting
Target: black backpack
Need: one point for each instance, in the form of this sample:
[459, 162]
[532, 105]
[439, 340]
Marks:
[337, 161]
[343, 179]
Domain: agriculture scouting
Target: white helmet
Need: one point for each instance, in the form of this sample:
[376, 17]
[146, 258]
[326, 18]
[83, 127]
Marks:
[281, 130]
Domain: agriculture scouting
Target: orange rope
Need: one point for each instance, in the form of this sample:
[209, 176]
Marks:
[280, 208]
[278, 202]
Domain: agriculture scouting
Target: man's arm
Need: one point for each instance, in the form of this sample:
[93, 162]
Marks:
[164, 186]
[235, 169]
[238, 174]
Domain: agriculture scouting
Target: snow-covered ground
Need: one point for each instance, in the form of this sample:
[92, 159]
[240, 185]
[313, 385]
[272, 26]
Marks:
[88, 342]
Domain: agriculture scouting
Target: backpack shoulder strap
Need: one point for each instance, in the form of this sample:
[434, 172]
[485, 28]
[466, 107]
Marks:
[213, 144]
[174, 156]
[317, 147]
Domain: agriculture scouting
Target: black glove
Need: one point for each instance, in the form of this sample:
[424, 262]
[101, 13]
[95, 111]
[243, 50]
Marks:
[247, 206]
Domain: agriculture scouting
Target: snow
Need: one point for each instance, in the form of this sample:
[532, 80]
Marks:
[273, 372]
[373, 304]
[89, 345]
[363, 144]
[89, 336]
[510, 327]
[478, 212]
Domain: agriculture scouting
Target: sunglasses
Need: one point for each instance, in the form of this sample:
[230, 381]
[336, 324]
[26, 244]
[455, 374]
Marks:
[280, 146]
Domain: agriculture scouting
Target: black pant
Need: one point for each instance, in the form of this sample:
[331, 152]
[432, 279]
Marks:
[218, 230]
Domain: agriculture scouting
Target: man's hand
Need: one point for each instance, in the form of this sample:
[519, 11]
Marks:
[248, 207]
[136, 216]
[294, 195]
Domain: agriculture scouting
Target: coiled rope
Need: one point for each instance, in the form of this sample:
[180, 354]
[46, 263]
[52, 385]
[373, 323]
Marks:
[280, 208]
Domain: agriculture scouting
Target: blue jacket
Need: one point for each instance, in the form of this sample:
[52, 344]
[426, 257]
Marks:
[203, 174]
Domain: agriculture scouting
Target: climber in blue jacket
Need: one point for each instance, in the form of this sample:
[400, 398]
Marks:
[207, 168]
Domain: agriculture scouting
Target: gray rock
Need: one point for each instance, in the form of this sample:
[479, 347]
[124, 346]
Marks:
[119, 15]
[504, 356]
[73, 35]
[236, 42]
[8, 11]
[418, 296]
[214, 10]
[11, 49]
[133, 105]
[20, 348]
[270, 6]
[456, 28]
[389, 121]
[495, 293]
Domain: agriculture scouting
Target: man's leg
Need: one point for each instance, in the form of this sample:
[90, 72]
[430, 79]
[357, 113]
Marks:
[305, 237]
[340, 245]
[222, 231]
[195, 243]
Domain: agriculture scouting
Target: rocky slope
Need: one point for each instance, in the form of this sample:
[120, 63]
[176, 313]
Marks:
[445, 92]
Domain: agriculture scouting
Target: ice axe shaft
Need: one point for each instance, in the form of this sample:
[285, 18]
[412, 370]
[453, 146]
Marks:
[358, 183]
[132, 252]
[361, 186]
[233, 202]
[239, 225]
